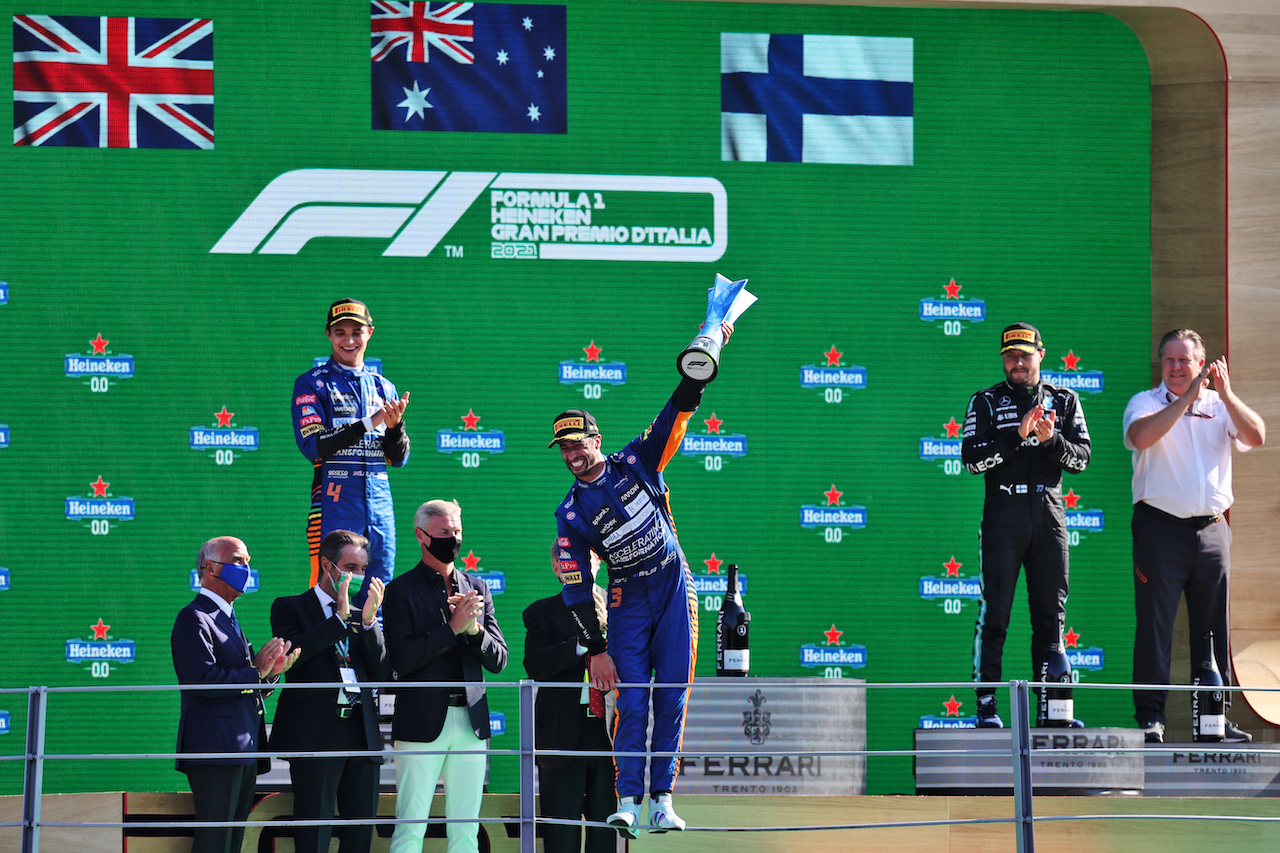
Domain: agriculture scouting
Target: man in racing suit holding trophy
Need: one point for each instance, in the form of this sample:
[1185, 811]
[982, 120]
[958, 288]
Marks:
[619, 508]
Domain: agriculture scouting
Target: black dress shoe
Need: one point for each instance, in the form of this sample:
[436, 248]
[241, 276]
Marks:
[1235, 734]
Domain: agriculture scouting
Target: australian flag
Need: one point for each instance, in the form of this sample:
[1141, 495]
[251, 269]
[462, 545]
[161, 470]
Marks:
[112, 82]
[816, 99]
[489, 67]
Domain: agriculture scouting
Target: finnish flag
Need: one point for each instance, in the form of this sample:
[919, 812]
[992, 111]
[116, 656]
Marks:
[816, 99]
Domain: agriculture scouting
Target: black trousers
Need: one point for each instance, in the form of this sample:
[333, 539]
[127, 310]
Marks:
[1031, 531]
[1170, 559]
[347, 787]
[221, 792]
[578, 788]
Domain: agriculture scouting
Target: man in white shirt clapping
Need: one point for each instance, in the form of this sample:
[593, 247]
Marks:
[1181, 434]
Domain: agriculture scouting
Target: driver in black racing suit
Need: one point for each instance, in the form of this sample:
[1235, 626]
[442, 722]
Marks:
[1021, 435]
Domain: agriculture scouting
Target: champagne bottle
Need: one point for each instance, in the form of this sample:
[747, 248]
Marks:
[733, 657]
[1208, 711]
[1057, 708]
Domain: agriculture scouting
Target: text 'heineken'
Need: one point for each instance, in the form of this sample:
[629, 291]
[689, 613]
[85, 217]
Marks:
[733, 657]
[1208, 711]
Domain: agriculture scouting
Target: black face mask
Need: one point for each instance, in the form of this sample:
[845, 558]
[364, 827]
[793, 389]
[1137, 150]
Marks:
[445, 549]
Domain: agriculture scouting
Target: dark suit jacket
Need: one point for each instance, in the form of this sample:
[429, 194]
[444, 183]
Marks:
[307, 720]
[418, 633]
[551, 654]
[207, 649]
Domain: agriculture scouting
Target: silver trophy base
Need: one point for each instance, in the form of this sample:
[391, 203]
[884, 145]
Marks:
[698, 362]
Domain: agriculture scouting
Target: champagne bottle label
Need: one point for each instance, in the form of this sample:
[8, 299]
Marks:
[737, 659]
[1213, 725]
[1061, 709]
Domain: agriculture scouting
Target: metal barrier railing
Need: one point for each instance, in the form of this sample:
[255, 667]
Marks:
[1019, 754]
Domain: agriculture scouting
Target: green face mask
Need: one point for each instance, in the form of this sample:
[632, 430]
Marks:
[356, 582]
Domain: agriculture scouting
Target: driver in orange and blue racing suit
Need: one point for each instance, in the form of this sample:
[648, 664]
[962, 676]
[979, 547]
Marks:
[349, 422]
[619, 508]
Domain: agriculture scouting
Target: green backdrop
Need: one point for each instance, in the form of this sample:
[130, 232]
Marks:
[1028, 191]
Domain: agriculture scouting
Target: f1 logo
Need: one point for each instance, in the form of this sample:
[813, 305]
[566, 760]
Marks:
[415, 210]
[307, 203]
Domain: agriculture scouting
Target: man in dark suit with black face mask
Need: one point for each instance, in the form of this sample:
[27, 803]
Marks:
[440, 626]
[340, 645]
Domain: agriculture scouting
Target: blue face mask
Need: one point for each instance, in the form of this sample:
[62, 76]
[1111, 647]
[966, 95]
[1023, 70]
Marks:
[235, 576]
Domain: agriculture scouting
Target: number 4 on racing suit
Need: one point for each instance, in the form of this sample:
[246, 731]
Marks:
[350, 490]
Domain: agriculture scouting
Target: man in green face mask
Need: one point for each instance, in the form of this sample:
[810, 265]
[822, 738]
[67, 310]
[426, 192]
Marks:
[342, 646]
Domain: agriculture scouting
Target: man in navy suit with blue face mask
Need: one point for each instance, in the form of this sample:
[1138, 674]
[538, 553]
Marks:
[209, 648]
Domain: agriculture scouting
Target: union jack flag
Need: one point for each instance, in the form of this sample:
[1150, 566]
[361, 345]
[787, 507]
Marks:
[415, 26]
[103, 82]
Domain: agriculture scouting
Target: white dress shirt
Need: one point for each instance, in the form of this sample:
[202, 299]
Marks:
[1188, 471]
[326, 601]
[223, 604]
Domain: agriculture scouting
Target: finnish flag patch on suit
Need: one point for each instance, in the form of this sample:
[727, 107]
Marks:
[817, 99]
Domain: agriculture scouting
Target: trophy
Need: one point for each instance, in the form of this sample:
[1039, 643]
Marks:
[725, 304]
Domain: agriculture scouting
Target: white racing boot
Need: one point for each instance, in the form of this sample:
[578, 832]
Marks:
[662, 815]
[627, 816]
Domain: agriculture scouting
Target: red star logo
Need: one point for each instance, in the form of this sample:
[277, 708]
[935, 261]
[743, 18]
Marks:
[1071, 638]
[833, 635]
[952, 289]
[1070, 360]
[592, 351]
[713, 565]
[952, 706]
[99, 488]
[1072, 499]
[99, 345]
[953, 568]
[470, 419]
[99, 630]
[833, 356]
[224, 417]
[471, 561]
[833, 496]
[713, 424]
[952, 428]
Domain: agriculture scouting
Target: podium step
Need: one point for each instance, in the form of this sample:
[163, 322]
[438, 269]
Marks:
[970, 761]
[1227, 770]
